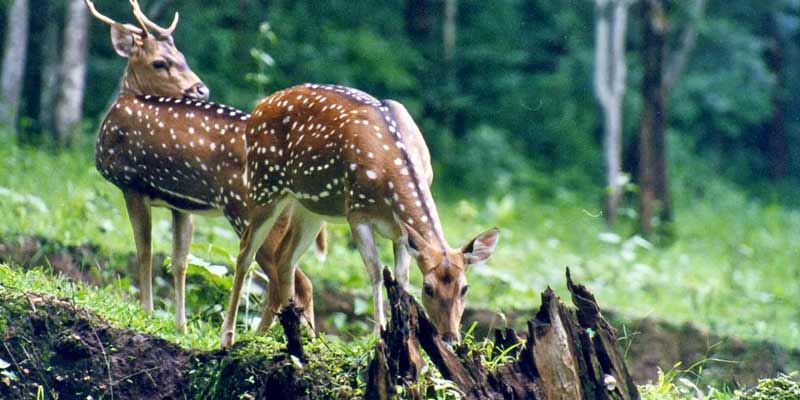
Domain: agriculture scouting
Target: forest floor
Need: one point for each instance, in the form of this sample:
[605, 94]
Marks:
[70, 341]
[721, 297]
[65, 340]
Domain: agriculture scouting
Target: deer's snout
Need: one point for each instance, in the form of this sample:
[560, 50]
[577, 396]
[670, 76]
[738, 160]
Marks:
[199, 91]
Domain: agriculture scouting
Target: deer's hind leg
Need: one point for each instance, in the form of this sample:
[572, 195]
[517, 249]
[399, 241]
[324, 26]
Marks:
[304, 228]
[261, 220]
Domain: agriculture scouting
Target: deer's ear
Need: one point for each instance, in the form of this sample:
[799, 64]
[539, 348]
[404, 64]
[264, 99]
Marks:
[124, 40]
[415, 240]
[479, 249]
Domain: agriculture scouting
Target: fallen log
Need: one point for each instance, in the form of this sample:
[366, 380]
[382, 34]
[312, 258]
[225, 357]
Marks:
[569, 354]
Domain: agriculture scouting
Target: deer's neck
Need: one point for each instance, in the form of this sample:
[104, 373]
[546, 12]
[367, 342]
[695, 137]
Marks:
[130, 85]
[413, 202]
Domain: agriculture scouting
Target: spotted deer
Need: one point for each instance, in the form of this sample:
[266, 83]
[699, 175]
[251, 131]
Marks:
[164, 145]
[334, 153]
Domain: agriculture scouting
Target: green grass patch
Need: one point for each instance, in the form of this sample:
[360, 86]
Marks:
[732, 266]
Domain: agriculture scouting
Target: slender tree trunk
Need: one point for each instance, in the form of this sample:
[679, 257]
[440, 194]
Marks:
[73, 73]
[49, 70]
[609, 79]
[449, 29]
[14, 53]
[662, 69]
[612, 146]
[777, 141]
[418, 20]
[449, 50]
[653, 122]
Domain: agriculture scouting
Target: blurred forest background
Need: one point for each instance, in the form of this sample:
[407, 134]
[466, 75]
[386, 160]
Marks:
[653, 145]
[510, 94]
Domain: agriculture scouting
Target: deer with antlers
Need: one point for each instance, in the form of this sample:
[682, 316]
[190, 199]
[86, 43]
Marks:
[333, 153]
[164, 145]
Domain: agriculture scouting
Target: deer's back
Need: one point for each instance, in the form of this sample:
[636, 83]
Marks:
[184, 153]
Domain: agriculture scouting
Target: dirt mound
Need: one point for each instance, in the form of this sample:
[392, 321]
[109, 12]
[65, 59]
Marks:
[74, 262]
[70, 352]
[58, 350]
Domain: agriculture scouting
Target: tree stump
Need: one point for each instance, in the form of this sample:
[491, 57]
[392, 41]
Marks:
[570, 354]
[290, 320]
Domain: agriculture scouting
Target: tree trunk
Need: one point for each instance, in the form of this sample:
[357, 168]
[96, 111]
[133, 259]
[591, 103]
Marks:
[49, 70]
[777, 142]
[13, 72]
[449, 24]
[609, 79]
[418, 20]
[72, 73]
[612, 146]
[655, 202]
[570, 354]
[449, 29]
[653, 123]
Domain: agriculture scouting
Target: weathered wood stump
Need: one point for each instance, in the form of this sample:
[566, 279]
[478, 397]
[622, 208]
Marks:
[569, 354]
[290, 320]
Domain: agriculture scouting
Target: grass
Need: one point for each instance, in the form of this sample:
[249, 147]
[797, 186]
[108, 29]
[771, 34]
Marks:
[732, 266]
[109, 302]
[342, 363]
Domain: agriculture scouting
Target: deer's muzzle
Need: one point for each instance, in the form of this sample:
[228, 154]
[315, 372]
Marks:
[199, 91]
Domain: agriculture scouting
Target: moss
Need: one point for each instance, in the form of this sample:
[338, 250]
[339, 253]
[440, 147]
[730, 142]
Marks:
[784, 387]
[258, 367]
[3, 320]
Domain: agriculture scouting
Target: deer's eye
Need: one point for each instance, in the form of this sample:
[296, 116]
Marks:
[464, 290]
[160, 64]
[428, 289]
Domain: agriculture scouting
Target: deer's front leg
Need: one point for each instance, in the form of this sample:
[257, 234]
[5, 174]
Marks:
[139, 214]
[182, 227]
[365, 241]
[402, 259]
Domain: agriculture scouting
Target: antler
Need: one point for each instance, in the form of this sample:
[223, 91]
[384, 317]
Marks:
[110, 21]
[145, 22]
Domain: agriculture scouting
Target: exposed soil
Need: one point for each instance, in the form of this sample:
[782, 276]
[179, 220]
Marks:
[64, 352]
[650, 344]
[69, 351]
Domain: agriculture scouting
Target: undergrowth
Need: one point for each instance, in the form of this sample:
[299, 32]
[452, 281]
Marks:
[731, 265]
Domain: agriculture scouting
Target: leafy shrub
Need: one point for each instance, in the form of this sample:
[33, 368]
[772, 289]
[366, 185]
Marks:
[784, 387]
[486, 162]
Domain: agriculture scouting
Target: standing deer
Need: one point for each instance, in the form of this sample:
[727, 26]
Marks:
[164, 145]
[333, 153]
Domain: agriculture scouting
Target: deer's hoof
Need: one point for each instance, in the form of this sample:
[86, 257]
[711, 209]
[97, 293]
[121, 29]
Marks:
[227, 339]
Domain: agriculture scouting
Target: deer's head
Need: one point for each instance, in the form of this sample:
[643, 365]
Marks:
[155, 66]
[444, 286]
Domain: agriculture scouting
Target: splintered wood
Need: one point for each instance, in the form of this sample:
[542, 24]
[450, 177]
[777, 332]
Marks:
[568, 354]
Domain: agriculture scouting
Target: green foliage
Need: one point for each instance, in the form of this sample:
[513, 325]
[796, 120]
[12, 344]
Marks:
[784, 387]
[111, 302]
[726, 269]
[674, 385]
[523, 84]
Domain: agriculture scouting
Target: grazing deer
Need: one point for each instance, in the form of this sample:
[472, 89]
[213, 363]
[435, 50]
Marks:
[332, 153]
[164, 145]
